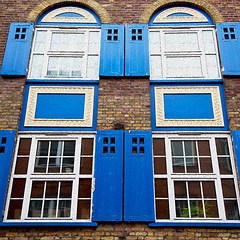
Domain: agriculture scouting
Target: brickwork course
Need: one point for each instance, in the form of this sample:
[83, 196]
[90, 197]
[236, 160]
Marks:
[121, 101]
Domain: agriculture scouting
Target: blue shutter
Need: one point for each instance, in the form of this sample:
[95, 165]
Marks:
[137, 50]
[7, 139]
[236, 142]
[108, 193]
[17, 51]
[138, 172]
[112, 51]
[229, 46]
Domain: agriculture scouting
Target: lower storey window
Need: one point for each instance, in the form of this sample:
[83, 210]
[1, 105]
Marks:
[52, 179]
[194, 178]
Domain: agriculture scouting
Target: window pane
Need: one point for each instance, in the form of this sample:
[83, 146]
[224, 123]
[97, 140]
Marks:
[37, 189]
[40, 41]
[209, 44]
[231, 208]
[85, 186]
[178, 165]
[203, 148]
[22, 165]
[159, 146]
[184, 66]
[181, 42]
[50, 208]
[154, 42]
[160, 165]
[40, 165]
[51, 190]
[225, 165]
[212, 66]
[209, 189]
[228, 188]
[161, 188]
[182, 208]
[206, 165]
[15, 209]
[196, 209]
[86, 165]
[24, 146]
[211, 208]
[192, 165]
[56, 148]
[180, 189]
[66, 190]
[54, 165]
[92, 69]
[222, 146]
[64, 208]
[69, 148]
[190, 148]
[177, 148]
[156, 66]
[162, 209]
[93, 43]
[18, 188]
[36, 66]
[68, 164]
[194, 189]
[83, 211]
[42, 148]
[87, 146]
[35, 208]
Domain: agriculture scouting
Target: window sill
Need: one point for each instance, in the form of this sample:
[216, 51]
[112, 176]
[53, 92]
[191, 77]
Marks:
[51, 224]
[195, 224]
[199, 80]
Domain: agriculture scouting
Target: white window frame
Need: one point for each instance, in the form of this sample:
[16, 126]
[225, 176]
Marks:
[31, 176]
[156, 75]
[215, 176]
[84, 54]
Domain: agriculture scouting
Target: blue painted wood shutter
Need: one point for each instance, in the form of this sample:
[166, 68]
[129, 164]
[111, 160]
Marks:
[7, 139]
[229, 46]
[112, 51]
[236, 142]
[17, 51]
[137, 50]
[138, 172]
[108, 193]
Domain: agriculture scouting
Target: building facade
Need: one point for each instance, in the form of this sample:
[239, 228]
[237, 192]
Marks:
[119, 120]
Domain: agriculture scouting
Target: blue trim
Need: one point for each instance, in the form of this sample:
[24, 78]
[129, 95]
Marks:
[223, 102]
[24, 107]
[236, 142]
[61, 81]
[194, 224]
[52, 224]
[210, 21]
[187, 81]
[68, 24]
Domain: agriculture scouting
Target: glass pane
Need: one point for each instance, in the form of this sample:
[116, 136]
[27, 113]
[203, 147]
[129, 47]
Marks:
[40, 165]
[54, 165]
[156, 67]
[85, 186]
[159, 146]
[160, 165]
[15, 209]
[211, 208]
[182, 208]
[181, 42]
[194, 190]
[231, 208]
[64, 208]
[56, 148]
[66, 190]
[40, 41]
[21, 166]
[83, 211]
[36, 66]
[69, 148]
[225, 165]
[177, 148]
[92, 67]
[222, 146]
[154, 42]
[51, 190]
[192, 165]
[180, 189]
[186, 66]
[190, 148]
[18, 188]
[162, 209]
[37, 189]
[196, 209]
[212, 66]
[42, 148]
[24, 146]
[228, 188]
[208, 41]
[161, 188]
[35, 208]
[94, 42]
[68, 164]
[86, 165]
[203, 148]
[50, 208]
[209, 189]
[87, 146]
[178, 165]
[206, 165]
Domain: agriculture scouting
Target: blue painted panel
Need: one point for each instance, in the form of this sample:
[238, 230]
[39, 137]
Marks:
[108, 194]
[112, 51]
[210, 21]
[229, 46]
[236, 142]
[69, 14]
[63, 84]
[60, 106]
[138, 172]
[7, 139]
[39, 21]
[180, 84]
[137, 50]
[17, 50]
[188, 106]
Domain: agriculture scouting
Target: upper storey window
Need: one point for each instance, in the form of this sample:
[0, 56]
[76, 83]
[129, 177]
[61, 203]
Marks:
[66, 45]
[182, 45]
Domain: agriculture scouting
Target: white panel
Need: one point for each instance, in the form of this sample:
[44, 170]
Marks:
[94, 42]
[181, 42]
[184, 66]
[154, 41]
[36, 66]
[208, 40]
[212, 66]
[156, 67]
[67, 42]
[92, 67]
[40, 41]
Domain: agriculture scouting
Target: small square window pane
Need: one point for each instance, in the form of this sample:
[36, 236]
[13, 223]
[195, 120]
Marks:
[134, 150]
[85, 186]
[115, 31]
[134, 140]
[40, 165]
[40, 41]
[51, 190]
[212, 66]
[162, 209]
[64, 208]
[177, 148]
[87, 146]
[56, 148]
[206, 165]
[21, 165]
[231, 209]
[86, 165]
[18, 188]
[154, 42]
[50, 208]
[203, 148]
[222, 146]
[36, 66]
[66, 189]
[2, 150]
[156, 66]
[190, 148]
[228, 188]
[112, 149]
[225, 165]
[208, 40]
[37, 189]
[54, 165]
[68, 164]
[161, 188]
[141, 149]
[35, 208]
[15, 209]
[160, 165]
[83, 210]
[182, 208]
[4, 140]
[178, 165]
[180, 189]
[194, 189]
[211, 208]
[112, 140]
[196, 208]
[192, 165]
[209, 189]
[69, 148]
